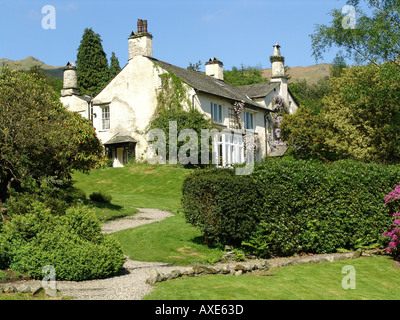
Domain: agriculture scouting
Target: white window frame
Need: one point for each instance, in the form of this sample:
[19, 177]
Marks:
[252, 122]
[229, 149]
[105, 118]
[217, 113]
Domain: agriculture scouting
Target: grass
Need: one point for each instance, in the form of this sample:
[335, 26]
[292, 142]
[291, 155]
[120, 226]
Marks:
[145, 186]
[171, 240]
[137, 186]
[377, 278]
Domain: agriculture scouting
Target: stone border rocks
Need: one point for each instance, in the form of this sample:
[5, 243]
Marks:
[24, 288]
[238, 268]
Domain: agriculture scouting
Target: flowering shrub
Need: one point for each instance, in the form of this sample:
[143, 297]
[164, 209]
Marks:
[274, 138]
[392, 201]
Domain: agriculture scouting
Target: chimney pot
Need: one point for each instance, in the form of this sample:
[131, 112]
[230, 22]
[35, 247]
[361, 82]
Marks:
[214, 68]
[140, 25]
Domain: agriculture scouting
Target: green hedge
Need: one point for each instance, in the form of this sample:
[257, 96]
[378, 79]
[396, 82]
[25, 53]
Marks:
[220, 205]
[72, 243]
[290, 206]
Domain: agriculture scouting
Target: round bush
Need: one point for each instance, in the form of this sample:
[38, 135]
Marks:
[72, 243]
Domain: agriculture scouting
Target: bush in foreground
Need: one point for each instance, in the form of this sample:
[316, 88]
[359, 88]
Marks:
[72, 243]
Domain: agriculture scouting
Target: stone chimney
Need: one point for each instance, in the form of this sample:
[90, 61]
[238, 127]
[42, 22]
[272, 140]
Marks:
[70, 80]
[278, 73]
[140, 42]
[278, 68]
[214, 68]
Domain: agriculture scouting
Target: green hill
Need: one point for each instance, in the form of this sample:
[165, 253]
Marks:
[27, 63]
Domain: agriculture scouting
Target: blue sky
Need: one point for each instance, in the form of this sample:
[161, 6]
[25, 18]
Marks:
[236, 32]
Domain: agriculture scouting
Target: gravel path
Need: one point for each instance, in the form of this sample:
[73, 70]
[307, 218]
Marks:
[130, 283]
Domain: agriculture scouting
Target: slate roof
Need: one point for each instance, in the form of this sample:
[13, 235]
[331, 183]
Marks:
[259, 90]
[207, 84]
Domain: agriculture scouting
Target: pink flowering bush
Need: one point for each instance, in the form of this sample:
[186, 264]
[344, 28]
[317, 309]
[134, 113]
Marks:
[392, 201]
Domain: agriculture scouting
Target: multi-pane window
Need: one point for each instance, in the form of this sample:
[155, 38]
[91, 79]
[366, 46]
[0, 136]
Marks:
[249, 121]
[216, 112]
[105, 118]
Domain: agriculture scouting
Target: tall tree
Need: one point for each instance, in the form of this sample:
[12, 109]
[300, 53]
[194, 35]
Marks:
[114, 66]
[362, 114]
[39, 138]
[92, 64]
[338, 64]
[374, 39]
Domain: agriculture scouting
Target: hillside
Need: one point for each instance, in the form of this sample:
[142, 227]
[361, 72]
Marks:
[29, 62]
[311, 73]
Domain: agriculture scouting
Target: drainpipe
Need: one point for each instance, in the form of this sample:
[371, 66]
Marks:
[266, 134]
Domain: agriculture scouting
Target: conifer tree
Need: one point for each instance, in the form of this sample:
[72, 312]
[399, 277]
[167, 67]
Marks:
[92, 64]
[114, 66]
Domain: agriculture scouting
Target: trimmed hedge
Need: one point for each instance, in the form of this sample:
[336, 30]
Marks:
[220, 205]
[291, 206]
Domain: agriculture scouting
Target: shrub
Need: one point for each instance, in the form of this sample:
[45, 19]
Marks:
[287, 207]
[220, 205]
[72, 243]
[100, 197]
[392, 201]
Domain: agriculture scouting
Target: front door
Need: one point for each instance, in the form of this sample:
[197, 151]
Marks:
[119, 159]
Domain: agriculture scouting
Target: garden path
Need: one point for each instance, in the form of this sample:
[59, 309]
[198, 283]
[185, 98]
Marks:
[130, 282]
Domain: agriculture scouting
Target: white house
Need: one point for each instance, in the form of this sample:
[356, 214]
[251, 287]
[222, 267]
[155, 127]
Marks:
[122, 110]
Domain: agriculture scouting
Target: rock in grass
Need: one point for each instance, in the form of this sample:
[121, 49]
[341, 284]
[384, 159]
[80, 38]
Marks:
[155, 276]
[9, 288]
[23, 288]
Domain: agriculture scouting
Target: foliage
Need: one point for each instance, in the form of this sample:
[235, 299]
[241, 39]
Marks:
[32, 146]
[357, 117]
[72, 243]
[221, 205]
[338, 65]
[392, 201]
[362, 114]
[310, 95]
[279, 109]
[172, 105]
[194, 66]
[100, 197]
[243, 76]
[304, 132]
[286, 207]
[56, 84]
[172, 95]
[375, 38]
[92, 65]
[114, 66]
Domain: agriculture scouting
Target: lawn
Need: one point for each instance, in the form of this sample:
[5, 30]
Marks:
[377, 278]
[171, 240]
[137, 185]
[145, 186]
[175, 241]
